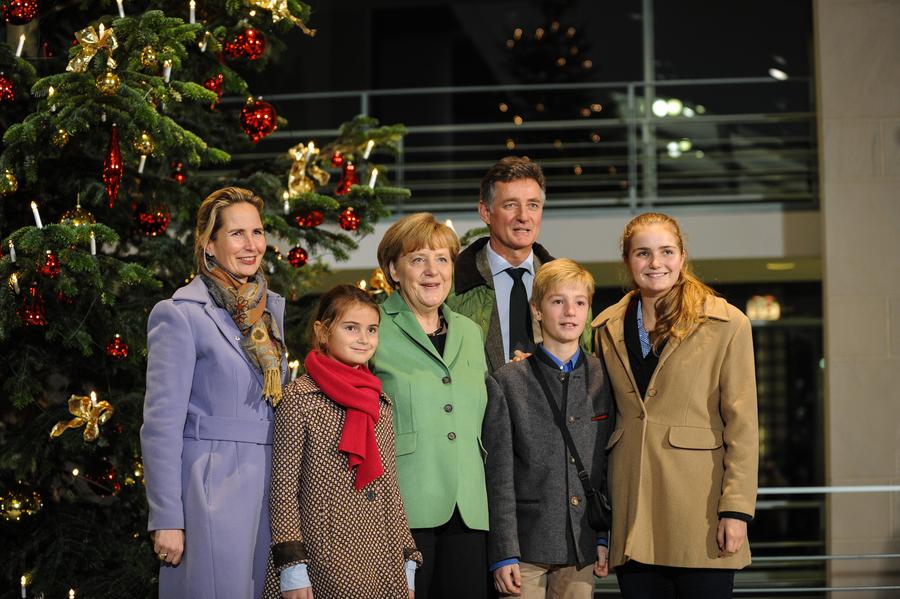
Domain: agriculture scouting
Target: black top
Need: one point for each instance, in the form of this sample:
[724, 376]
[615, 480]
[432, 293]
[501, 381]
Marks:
[641, 367]
[439, 341]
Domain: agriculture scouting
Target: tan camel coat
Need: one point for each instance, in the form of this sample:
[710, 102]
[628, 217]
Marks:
[687, 450]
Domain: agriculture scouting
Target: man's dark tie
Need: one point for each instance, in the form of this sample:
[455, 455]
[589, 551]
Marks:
[519, 315]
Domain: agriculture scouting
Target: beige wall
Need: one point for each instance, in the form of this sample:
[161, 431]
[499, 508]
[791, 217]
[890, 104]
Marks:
[858, 63]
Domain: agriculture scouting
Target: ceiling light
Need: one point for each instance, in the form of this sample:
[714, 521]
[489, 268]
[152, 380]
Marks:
[777, 74]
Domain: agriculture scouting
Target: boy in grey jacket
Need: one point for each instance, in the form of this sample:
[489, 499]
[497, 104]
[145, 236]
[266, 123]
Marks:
[540, 543]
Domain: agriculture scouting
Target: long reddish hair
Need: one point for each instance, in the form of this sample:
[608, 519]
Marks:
[680, 310]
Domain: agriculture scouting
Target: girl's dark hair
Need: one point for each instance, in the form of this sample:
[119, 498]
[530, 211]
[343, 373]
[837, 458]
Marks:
[332, 306]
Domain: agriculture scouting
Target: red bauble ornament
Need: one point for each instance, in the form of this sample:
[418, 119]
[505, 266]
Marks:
[349, 219]
[19, 12]
[249, 43]
[154, 221]
[308, 220]
[113, 169]
[258, 119]
[63, 298]
[7, 90]
[337, 159]
[215, 84]
[254, 42]
[348, 177]
[298, 257]
[178, 172]
[117, 349]
[32, 312]
[50, 268]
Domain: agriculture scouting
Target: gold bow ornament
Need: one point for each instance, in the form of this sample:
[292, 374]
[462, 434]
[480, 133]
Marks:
[90, 42]
[305, 173]
[88, 413]
[280, 10]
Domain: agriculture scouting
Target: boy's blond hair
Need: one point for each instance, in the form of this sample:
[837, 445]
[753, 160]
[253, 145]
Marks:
[561, 271]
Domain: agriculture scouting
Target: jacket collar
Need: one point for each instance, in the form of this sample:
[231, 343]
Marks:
[472, 269]
[714, 307]
[397, 309]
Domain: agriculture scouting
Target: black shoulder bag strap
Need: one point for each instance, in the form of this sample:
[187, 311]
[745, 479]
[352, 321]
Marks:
[561, 423]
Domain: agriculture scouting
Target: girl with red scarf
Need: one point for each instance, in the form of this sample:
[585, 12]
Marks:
[339, 528]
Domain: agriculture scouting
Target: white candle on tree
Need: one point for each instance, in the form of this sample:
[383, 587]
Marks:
[122, 15]
[14, 281]
[12, 252]
[93, 244]
[167, 70]
[369, 147]
[193, 6]
[20, 46]
[372, 178]
[37, 216]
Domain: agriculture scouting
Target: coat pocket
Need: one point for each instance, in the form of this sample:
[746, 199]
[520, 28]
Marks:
[692, 437]
[614, 437]
[405, 443]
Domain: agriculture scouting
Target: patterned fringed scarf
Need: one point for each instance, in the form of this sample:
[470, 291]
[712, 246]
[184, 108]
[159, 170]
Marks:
[246, 303]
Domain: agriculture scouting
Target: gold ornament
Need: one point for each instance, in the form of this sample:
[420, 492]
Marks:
[60, 138]
[305, 173]
[280, 10]
[88, 413]
[144, 144]
[91, 41]
[8, 183]
[149, 59]
[378, 283]
[15, 504]
[108, 83]
[78, 217]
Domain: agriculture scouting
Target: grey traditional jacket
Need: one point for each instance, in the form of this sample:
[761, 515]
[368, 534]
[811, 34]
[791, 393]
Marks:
[536, 501]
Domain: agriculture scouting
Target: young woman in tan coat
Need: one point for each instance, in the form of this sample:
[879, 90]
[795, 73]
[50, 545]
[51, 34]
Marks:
[683, 460]
[339, 530]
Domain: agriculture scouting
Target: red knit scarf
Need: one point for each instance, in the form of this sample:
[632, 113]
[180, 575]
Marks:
[358, 391]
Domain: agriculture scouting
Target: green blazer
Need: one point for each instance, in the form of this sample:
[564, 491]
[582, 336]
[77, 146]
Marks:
[439, 405]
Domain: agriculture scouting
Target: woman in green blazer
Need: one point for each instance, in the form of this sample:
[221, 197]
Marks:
[431, 364]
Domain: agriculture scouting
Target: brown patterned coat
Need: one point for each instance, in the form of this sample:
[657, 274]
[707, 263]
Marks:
[354, 542]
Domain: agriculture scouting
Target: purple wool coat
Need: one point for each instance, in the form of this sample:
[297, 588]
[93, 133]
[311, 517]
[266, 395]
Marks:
[207, 447]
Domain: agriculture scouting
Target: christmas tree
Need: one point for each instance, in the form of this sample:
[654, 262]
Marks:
[108, 143]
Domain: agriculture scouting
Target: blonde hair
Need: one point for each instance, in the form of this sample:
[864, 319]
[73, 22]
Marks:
[412, 233]
[557, 273]
[209, 223]
[680, 310]
[333, 304]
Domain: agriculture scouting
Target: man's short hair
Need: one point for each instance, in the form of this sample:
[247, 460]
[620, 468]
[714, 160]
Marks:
[557, 273]
[511, 168]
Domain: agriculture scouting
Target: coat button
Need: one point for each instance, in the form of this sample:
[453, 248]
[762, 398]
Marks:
[571, 460]
[651, 392]
[574, 500]
[446, 380]
[572, 419]
[451, 435]
[562, 377]
[370, 495]
[448, 408]
[237, 338]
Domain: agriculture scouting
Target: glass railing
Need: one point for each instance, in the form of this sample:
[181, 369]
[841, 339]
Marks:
[619, 144]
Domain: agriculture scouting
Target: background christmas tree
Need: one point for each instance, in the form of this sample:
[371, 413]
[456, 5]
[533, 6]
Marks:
[112, 136]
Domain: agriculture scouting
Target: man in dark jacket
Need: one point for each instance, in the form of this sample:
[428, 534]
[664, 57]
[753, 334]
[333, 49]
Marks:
[494, 275]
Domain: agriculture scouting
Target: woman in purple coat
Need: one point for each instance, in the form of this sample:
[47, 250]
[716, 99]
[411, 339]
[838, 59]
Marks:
[214, 372]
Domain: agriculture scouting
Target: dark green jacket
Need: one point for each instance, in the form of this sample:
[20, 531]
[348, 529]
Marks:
[473, 296]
